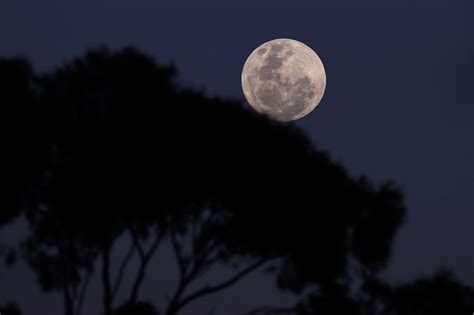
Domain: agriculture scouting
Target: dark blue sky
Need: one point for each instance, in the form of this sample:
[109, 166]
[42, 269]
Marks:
[399, 102]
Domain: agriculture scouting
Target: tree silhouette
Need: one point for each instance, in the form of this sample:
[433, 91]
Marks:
[22, 153]
[95, 190]
[438, 294]
[17, 134]
[219, 182]
[10, 309]
[137, 308]
[111, 148]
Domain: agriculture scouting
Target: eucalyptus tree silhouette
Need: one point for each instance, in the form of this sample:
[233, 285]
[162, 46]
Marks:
[125, 152]
[137, 308]
[10, 309]
[439, 294]
[101, 176]
[18, 136]
[21, 154]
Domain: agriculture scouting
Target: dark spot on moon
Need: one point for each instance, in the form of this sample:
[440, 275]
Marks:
[274, 61]
[302, 95]
[277, 47]
[271, 63]
[265, 73]
[302, 88]
[261, 51]
[270, 96]
[294, 110]
[299, 97]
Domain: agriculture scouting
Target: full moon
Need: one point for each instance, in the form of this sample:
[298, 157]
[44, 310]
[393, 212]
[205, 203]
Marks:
[283, 79]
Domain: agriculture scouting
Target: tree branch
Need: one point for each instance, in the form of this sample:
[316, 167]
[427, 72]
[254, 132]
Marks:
[202, 259]
[82, 294]
[268, 310]
[107, 299]
[154, 246]
[183, 276]
[179, 256]
[122, 268]
[68, 302]
[145, 259]
[137, 244]
[225, 284]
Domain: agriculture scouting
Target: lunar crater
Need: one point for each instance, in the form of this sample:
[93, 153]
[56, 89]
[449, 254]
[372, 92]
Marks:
[262, 51]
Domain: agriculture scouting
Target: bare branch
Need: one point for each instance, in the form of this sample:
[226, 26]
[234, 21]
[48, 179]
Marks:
[154, 246]
[122, 268]
[203, 256]
[269, 310]
[82, 294]
[68, 301]
[178, 255]
[74, 290]
[145, 258]
[136, 243]
[183, 276]
[225, 284]
[201, 266]
[107, 298]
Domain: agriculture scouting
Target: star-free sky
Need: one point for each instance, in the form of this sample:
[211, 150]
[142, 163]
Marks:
[399, 102]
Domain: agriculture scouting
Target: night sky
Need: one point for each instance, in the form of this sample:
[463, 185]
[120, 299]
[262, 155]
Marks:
[399, 103]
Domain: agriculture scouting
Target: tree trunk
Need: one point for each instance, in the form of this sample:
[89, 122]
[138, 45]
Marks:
[138, 282]
[107, 299]
[172, 310]
[68, 302]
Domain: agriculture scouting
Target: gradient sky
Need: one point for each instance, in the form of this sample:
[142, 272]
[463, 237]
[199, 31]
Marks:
[399, 102]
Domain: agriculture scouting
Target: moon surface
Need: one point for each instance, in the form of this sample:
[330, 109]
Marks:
[283, 79]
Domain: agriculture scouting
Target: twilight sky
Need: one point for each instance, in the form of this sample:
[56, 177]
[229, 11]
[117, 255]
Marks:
[399, 102]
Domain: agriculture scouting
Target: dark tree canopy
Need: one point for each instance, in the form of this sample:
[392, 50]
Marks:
[21, 150]
[437, 295]
[138, 308]
[10, 309]
[109, 146]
